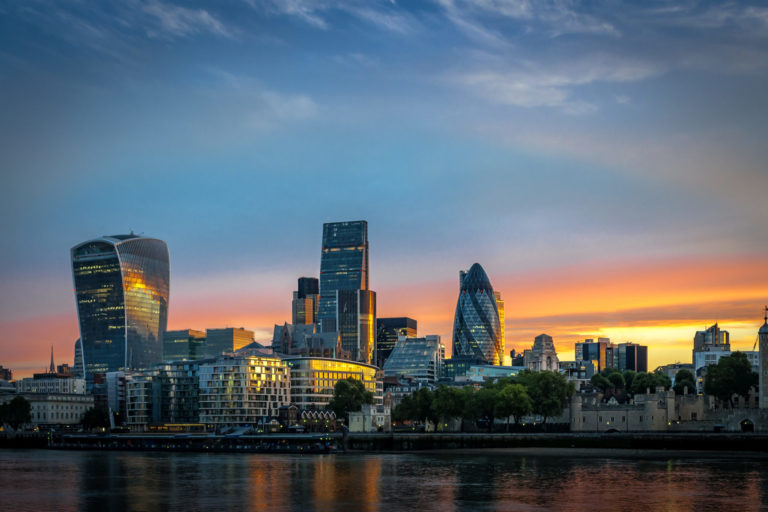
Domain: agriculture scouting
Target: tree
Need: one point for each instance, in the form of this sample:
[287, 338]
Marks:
[684, 378]
[513, 400]
[617, 380]
[661, 379]
[448, 403]
[549, 392]
[349, 395]
[16, 412]
[732, 375]
[95, 417]
[485, 400]
[600, 382]
[642, 382]
[629, 376]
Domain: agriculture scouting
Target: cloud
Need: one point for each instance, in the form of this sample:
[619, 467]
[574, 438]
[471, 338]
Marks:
[175, 21]
[384, 15]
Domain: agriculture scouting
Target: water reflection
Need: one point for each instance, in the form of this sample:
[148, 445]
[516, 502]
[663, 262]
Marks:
[448, 481]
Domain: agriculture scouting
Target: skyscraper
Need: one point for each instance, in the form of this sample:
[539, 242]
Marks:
[388, 330]
[346, 304]
[476, 326]
[762, 337]
[228, 339]
[304, 304]
[121, 289]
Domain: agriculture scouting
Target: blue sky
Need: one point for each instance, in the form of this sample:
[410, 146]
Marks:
[529, 136]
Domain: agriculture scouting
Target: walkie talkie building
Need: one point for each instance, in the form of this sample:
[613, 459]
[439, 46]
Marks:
[121, 288]
[476, 326]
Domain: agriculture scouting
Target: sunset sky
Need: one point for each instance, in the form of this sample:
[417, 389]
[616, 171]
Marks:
[605, 162]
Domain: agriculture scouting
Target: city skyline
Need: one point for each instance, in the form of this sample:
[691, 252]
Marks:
[603, 161]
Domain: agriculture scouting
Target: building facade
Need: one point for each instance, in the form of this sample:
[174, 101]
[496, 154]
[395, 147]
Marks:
[388, 330]
[762, 337]
[631, 356]
[313, 379]
[598, 352]
[239, 391]
[476, 326]
[226, 340]
[346, 304]
[58, 409]
[419, 358]
[184, 344]
[53, 384]
[304, 305]
[121, 288]
[712, 339]
[542, 356]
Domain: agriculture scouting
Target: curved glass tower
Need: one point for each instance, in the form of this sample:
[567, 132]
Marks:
[121, 289]
[476, 326]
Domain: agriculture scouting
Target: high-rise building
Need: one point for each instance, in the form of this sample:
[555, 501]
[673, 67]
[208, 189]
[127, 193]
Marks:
[186, 344]
[476, 326]
[419, 358]
[762, 337]
[78, 367]
[346, 304]
[713, 339]
[388, 330]
[121, 288]
[226, 340]
[631, 356]
[599, 352]
[500, 309]
[304, 305]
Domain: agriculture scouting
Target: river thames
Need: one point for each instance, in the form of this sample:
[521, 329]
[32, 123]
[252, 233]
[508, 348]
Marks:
[532, 480]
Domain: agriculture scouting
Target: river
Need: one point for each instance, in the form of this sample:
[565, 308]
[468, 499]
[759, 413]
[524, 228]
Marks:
[532, 480]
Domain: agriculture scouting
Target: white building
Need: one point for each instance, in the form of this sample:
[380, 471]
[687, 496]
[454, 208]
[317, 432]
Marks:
[371, 418]
[53, 384]
[57, 409]
[542, 356]
[242, 390]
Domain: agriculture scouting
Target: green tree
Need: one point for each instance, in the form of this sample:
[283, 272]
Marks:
[17, 412]
[485, 400]
[349, 395]
[448, 403]
[600, 382]
[513, 400]
[684, 378]
[549, 392]
[629, 376]
[642, 382]
[661, 379]
[95, 417]
[732, 375]
[617, 380]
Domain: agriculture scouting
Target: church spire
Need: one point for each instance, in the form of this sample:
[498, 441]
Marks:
[52, 369]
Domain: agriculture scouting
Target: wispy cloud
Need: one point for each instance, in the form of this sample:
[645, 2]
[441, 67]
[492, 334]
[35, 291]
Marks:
[176, 21]
[384, 15]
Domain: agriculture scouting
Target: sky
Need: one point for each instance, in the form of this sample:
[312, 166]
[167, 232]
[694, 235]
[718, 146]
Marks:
[605, 161]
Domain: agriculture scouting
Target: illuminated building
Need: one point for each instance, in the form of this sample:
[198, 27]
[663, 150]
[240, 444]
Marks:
[305, 303]
[631, 356]
[313, 379]
[184, 344]
[500, 309]
[388, 330]
[226, 340]
[542, 356]
[712, 339]
[762, 337]
[242, 390]
[476, 326]
[121, 289]
[420, 358]
[598, 352]
[346, 304]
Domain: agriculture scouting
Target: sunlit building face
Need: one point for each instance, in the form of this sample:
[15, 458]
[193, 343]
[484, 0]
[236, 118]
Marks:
[476, 326]
[121, 288]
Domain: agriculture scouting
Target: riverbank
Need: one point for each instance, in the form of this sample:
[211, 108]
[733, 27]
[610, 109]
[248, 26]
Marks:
[394, 442]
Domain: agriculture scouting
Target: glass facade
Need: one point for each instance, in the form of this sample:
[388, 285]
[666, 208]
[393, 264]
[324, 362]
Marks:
[419, 358]
[313, 379]
[121, 288]
[186, 344]
[226, 340]
[343, 266]
[476, 326]
[388, 330]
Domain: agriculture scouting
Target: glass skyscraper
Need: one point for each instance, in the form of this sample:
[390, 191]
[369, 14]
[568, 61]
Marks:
[346, 304]
[388, 330]
[476, 326]
[121, 289]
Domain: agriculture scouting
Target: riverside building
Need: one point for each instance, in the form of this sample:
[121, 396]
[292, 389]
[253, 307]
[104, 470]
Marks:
[388, 331]
[313, 379]
[121, 289]
[477, 326]
[419, 358]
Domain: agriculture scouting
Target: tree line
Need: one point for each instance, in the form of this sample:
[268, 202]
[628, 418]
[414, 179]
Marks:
[544, 394]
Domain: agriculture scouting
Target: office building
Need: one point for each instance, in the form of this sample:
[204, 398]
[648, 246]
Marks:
[313, 379]
[388, 330]
[78, 369]
[500, 309]
[476, 326]
[55, 409]
[186, 344]
[598, 352]
[712, 339]
[346, 304]
[420, 358]
[226, 340]
[239, 391]
[305, 340]
[304, 305]
[121, 289]
[57, 380]
[631, 356]
[6, 374]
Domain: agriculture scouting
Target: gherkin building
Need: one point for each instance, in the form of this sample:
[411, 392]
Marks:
[476, 326]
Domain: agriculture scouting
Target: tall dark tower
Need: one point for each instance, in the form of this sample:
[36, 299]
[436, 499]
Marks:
[346, 304]
[762, 337]
[476, 326]
[121, 288]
